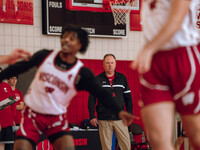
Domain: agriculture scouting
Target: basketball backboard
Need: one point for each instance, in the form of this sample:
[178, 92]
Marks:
[94, 5]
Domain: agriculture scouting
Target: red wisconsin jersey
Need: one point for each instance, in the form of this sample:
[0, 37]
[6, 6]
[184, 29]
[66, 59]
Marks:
[154, 16]
[52, 88]
[7, 114]
[18, 96]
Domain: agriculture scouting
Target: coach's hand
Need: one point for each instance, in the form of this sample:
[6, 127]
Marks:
[94, 122]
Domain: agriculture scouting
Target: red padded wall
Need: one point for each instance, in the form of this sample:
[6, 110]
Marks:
[135, 22]
[78, 109]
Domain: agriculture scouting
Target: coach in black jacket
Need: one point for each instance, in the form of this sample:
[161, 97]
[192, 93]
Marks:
[107, 120]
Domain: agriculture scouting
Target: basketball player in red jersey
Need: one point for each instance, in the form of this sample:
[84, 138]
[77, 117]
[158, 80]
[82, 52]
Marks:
[169, 65]
[18, 96]
[59, 77]
[6, 116]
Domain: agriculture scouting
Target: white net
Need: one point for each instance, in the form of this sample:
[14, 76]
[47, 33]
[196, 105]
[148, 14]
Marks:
[121, 10]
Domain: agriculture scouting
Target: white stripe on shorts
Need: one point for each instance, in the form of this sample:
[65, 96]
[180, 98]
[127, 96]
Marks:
[192, 75]
[196, 53]
[153, 86]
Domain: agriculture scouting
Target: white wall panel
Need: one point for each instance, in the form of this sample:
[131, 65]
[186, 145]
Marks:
[30, 37]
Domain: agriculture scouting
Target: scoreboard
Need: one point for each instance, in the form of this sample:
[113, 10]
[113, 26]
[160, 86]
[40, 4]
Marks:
[98, 24]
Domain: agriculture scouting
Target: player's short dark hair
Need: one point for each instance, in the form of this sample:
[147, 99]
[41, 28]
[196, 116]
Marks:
[1, 69]
[12, 77]
[109, 54]
[82, 35]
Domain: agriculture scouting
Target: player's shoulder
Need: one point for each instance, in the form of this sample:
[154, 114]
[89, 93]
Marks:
[5, 84]
[43, 51]
[86, 72]
[41, 54]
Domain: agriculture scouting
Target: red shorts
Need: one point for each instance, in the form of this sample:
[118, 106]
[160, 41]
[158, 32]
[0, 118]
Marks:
[33, 125]
[174, 76]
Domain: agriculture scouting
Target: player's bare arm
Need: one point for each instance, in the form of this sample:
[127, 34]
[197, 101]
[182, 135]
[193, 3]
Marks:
[176, 16]
[126, 117]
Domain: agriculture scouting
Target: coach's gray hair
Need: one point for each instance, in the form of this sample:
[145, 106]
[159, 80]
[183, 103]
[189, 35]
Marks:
[109, 54]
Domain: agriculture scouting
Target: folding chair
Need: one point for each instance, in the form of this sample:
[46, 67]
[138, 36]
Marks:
[137, 131]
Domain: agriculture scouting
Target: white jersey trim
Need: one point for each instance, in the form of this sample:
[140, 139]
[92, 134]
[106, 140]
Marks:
[129, 91]
[114, 86]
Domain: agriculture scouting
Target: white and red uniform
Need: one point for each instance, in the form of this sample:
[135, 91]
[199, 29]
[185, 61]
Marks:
[47, 99]
[174, 74]
[18, 96]
[52, 88]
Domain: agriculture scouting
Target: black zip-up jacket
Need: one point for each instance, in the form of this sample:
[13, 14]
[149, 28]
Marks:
[121, 90]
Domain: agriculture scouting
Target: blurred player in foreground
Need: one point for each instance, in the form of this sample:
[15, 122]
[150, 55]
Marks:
[169, 65]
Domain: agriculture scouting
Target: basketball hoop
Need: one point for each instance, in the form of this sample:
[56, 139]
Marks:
[121, 10]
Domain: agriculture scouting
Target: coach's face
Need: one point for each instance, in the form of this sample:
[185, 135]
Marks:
[109, 64]
[70, 42]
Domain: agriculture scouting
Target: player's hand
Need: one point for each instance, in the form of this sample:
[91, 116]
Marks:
[126, 117]
[18, 54]
[143, 62]
[179, 142]
[94, 122]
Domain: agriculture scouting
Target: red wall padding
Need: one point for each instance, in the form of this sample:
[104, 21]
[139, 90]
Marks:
[78, 109]
[135, 22]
